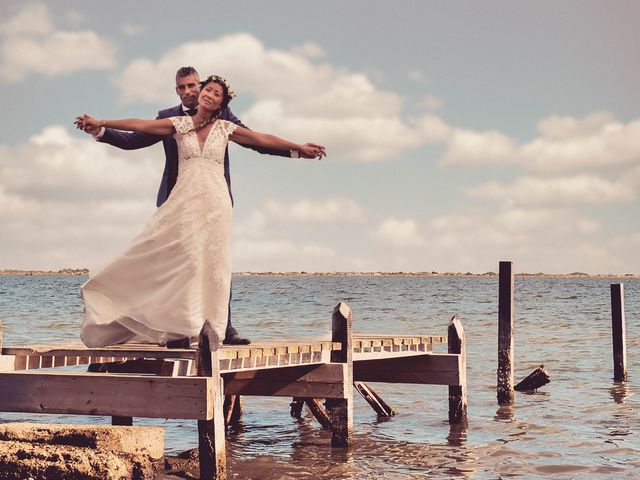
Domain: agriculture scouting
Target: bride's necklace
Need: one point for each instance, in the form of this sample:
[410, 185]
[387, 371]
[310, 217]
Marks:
[201, 125]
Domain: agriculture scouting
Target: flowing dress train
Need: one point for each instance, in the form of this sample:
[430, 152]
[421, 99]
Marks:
[176, 273]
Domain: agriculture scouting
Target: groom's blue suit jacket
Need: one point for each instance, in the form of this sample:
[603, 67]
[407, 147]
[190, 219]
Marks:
[135, 140]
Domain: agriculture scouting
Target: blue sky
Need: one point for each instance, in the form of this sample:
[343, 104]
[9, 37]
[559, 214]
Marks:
[458, 133]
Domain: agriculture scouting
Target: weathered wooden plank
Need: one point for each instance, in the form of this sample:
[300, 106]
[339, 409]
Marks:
[321, 381]
[430, 369]
[104, 394]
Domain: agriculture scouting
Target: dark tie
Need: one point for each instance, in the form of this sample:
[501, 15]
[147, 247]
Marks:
[192, 111]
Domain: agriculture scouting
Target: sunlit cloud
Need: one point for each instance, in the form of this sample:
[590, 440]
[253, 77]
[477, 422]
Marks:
[31, 45]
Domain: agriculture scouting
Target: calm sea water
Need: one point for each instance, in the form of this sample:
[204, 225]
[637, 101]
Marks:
[582, 424]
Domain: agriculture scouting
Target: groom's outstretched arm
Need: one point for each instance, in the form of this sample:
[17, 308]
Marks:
[129, 140]
[228, 115]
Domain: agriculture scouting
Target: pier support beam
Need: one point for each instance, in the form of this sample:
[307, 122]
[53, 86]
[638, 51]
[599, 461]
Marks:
[340, 410]
[458, 393]
[505, 334]
[619, 332]
[211, 441]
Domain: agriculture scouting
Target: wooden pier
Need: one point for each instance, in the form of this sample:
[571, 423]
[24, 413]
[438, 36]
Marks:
[136, 380]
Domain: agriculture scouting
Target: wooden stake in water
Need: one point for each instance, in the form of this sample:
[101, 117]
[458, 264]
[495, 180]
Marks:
[340, 410]
[619, 332]
[505, 334]
[457, 344]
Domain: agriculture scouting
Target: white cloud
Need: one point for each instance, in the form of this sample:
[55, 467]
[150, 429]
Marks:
[67, 200]
[274, 214]
[555, 192]
[538, 240]
[596, 143]
[294, 97]
[309, 50]
[132, 30]
[398, 233]
[330, 210]
[431, 102]
[280, 255]
[469, 148]
[32, 45]
[416, 76]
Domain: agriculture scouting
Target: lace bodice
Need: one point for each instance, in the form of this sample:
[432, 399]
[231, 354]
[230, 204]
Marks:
[189, 147]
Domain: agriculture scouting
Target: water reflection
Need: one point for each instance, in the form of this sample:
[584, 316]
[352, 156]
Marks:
[457, 434]
[505, 413]
[619, 391]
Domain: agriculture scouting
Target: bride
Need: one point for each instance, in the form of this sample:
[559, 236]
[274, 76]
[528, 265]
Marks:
[176, 274]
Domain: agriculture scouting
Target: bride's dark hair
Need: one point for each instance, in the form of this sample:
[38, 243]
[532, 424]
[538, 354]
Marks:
[227, 91]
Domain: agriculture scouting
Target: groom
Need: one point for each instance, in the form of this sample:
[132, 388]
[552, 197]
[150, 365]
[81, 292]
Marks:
[188, 89]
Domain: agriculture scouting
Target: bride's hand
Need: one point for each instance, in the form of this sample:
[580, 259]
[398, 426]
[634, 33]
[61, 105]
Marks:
[312, 150]
[87, 123]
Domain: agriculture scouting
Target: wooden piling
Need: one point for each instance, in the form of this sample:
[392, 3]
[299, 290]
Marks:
[340, 410]
[0, 336]
[457, 344]
[619, 332]
[211, 440]
[505, 334]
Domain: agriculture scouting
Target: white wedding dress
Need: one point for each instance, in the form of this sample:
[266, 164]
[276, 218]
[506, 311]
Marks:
[176, 274]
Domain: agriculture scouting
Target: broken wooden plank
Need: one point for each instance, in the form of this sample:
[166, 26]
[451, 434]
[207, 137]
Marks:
[536, 379]
[373, 399]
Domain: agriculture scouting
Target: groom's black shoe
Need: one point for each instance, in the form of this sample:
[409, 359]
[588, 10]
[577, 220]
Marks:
[231, 337]
[182, 343]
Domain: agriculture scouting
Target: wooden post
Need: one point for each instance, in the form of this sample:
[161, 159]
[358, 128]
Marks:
[0, 336]
[505, 334]
[211, 441]
[619, 332]
[340, 410]
[458, 393]
[296, 407]
[232, 409]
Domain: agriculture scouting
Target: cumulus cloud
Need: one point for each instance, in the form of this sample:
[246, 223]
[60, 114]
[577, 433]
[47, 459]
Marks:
[597, 142]
[330, 210]
[555, 192]
[67, 200]
[31, 45]
[281, 255]
[398, 233]
[294, 96]
[273, 214]
[543, 239]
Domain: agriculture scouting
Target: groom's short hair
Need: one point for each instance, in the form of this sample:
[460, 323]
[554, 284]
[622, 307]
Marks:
[186, 71]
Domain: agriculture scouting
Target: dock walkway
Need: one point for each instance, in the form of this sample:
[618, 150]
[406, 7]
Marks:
[138, 380]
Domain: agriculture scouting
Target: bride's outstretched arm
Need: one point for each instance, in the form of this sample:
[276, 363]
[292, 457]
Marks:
[249, 137]
[157, 127]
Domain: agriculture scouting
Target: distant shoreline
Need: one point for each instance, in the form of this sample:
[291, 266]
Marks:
[85, 271]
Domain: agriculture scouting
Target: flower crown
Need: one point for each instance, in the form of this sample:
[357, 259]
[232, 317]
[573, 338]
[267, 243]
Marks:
[218, 79]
